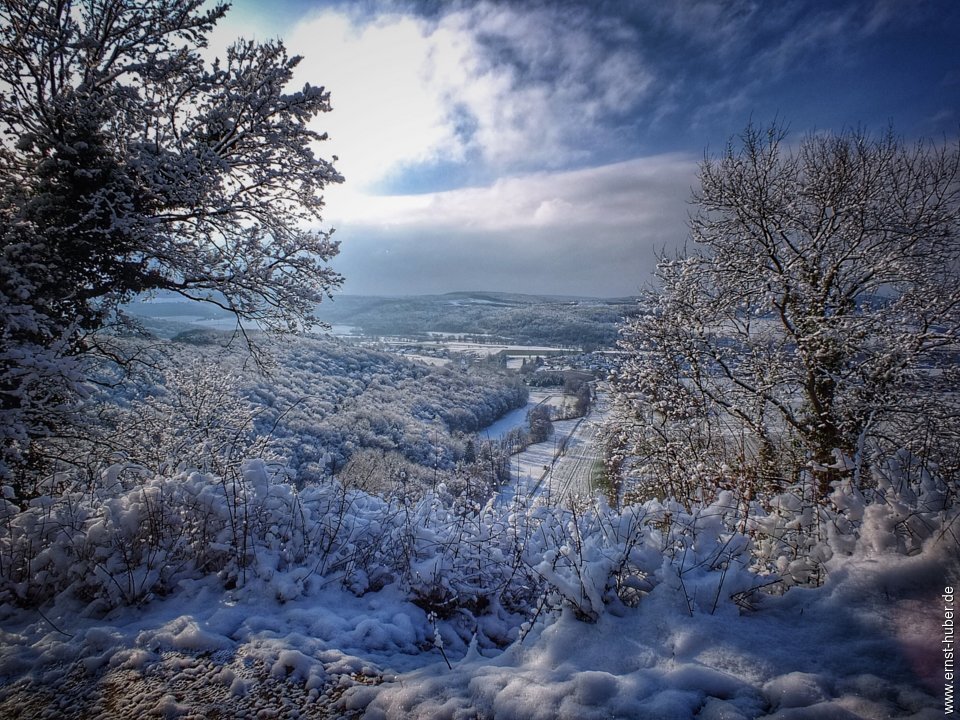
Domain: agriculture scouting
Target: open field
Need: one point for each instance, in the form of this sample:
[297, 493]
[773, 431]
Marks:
[562, 466]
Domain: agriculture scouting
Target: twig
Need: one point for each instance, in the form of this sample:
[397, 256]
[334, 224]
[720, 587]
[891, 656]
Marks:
[52, 624]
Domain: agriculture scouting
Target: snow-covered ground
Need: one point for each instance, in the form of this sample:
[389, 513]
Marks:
[517, 418]
[188, 595]
[571, 474]
[866, 645]
[561, 466]
[477, 349]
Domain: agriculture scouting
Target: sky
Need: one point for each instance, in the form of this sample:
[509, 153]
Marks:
[552, 147]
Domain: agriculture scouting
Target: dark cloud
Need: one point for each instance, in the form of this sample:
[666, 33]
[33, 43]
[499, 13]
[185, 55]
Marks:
[600, 264]
[588, 232]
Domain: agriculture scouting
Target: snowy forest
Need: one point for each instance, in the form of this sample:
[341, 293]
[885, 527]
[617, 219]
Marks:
[267, 520]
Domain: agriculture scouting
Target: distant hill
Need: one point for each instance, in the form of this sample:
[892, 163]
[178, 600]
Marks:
[514, 317]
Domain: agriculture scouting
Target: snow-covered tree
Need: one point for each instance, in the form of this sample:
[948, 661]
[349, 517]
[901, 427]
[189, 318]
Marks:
[814, 323]
[128, 163]
[541, 426]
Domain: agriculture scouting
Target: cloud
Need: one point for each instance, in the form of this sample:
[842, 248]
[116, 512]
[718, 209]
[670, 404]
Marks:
[618, 195]
[598, 264]
[502, 88]
[521, 94]
[550, 83]
[432, 95]
[593, 231]
[515, 144]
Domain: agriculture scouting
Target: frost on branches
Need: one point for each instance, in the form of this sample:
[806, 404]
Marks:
[129, 164]
[814, 327]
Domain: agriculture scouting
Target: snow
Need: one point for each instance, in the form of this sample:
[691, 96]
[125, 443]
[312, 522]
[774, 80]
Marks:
[830, 652]
[517, 418]
[864, 645]
[559, 467]
[190, 594]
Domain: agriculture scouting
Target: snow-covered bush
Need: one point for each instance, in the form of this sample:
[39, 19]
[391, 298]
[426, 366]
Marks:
[898, 511]
[192, 486]
[484, 571]
[588, 555]
[117, 545]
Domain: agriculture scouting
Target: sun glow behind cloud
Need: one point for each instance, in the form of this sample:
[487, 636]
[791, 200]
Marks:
[504, 90]
[390, 109]
[498, 141]
[551, 147]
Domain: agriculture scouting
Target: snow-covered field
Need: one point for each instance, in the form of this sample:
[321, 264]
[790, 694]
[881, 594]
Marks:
[477, 349]
[561, 466]
[866, 645]
[533, 467]
[517, 418]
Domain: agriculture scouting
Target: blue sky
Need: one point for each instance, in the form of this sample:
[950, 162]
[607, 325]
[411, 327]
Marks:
[551, 147]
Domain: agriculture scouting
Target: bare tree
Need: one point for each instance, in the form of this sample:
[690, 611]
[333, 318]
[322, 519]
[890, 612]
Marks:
[815, 322]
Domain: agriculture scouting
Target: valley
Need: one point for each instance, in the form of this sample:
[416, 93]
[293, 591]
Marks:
[354, 402]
